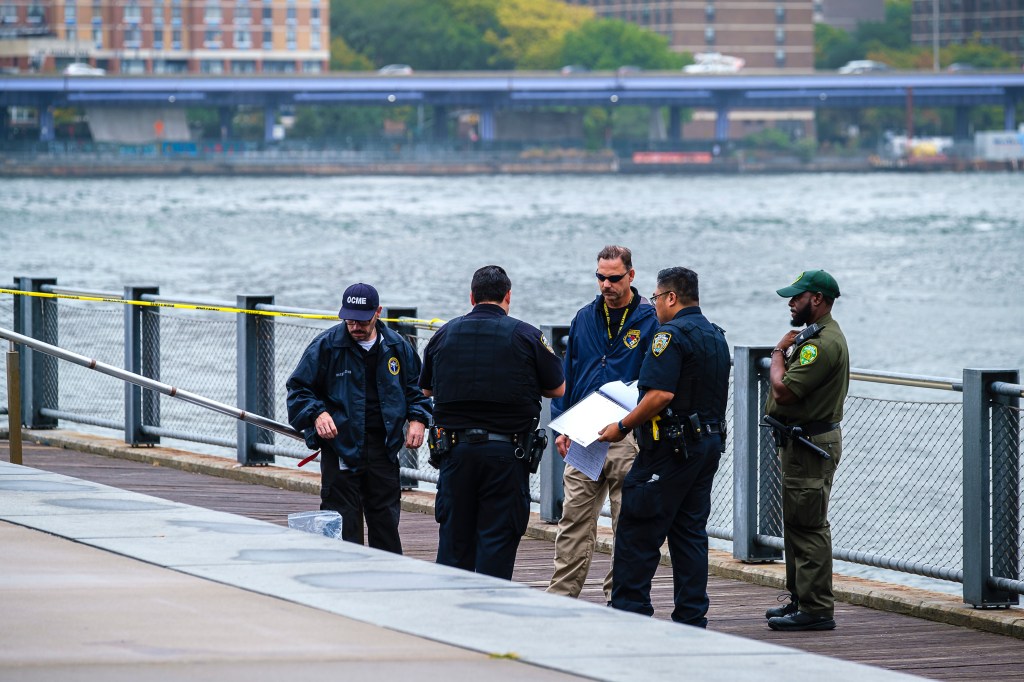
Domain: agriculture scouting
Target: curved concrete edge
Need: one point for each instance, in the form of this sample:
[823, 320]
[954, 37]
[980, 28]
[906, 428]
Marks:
[873, 594]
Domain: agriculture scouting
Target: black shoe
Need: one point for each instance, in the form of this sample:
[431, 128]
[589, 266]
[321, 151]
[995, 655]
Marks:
[802, 621]
[785, 609]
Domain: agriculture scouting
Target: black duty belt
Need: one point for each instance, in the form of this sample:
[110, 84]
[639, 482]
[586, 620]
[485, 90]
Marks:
[817, 428]
[482, 436]
[716, 427]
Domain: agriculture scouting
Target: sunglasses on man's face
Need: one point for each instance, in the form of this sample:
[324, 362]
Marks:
[611, 278]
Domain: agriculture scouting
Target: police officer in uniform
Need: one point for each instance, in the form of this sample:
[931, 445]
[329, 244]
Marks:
[680, 427]
[486, 372]
[810, 375]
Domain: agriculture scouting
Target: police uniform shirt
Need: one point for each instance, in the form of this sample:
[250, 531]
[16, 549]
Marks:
[818, 373]
[692, 363]
[495, 416]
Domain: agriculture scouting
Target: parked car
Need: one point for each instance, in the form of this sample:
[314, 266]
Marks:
[863, 66]
[573, 68]
[960, 67]
[623, 70]
[83, 69]
[396, 70]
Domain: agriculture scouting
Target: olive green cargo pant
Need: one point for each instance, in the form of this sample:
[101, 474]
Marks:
[577, 529]
[806, 487]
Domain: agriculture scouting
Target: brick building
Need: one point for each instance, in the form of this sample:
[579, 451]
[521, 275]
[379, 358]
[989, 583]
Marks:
[767, 34]
[846, 14]
[166, 36]
[990, 22]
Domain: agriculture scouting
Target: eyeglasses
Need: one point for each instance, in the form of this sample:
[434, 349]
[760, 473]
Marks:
[359, 323]
[654, 297]
[611, 278]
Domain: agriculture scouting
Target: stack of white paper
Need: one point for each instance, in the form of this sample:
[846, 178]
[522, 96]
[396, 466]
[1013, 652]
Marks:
[582, 422]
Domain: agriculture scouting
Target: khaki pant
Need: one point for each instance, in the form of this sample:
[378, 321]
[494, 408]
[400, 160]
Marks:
[806, 489]
[577, 529]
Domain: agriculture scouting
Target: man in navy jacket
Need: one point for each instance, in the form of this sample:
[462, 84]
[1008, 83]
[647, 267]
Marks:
[607, 340]
[351, 396]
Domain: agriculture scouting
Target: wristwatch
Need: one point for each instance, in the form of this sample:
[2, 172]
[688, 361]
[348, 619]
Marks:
[621, 427]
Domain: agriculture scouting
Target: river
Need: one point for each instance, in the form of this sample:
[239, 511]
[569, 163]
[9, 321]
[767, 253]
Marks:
[929, 264]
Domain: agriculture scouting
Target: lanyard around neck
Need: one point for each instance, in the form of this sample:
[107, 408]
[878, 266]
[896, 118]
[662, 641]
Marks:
[622, 323]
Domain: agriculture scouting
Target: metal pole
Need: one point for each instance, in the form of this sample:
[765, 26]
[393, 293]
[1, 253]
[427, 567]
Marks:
[935, 35]
[14, 404]
[166, 389]
[552, 467]
[255, 377]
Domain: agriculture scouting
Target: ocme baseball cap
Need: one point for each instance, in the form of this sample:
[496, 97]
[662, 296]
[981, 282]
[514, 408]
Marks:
[812, 280]
[359, 303]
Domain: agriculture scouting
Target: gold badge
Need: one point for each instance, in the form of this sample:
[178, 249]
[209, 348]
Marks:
[808, 354]
[631, 339]
[660, 343]
[394, 367]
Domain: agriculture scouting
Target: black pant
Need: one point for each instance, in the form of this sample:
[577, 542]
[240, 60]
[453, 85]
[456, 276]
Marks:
[373, 490]
[483, 506]
[666, 497]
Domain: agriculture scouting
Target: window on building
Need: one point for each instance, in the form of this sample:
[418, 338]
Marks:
[214, 66]
[212, 38]
[158, 38]
[780, 58]
[780, 36]
[243, 40]
[133, 36]
[212, 13]
[291, 16]
[243, 13]
[243, 66]
[132, 12]
[314, 38]
[780, 13]
[268, 39]
[709, 35]
[176, 39]
[133, 66]
[314, 15]
[268, 15]
[709, 12]
[290, 40]
[70, 12]
[176, 13]
[311, 67]
[97, 11]
[97, 36]
[36, 14]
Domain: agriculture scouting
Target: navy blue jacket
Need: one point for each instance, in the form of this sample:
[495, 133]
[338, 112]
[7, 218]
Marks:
[331, 377]
[592, 360]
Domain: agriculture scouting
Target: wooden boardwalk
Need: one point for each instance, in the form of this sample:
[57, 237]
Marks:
[889, 640]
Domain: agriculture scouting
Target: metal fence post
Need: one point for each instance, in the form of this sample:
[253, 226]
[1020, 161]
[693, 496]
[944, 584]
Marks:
[255, 372]
[986, 474]
[751, 490]
[407, 458]
[14, 405]
[141, 356]
[37, 317]
[552, 466]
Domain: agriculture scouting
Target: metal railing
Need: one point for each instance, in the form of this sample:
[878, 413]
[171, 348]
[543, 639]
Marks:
[929, 486]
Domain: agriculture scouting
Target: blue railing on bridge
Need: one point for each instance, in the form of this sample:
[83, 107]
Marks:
[928, 486]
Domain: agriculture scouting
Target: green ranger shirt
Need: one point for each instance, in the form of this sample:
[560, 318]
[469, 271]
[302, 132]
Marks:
[818, 373]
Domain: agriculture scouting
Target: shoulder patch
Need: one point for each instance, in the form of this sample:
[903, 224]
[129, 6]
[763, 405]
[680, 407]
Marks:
[660, 343]
[544, 342]
[808, 354]
[393, 366]
[631, 339]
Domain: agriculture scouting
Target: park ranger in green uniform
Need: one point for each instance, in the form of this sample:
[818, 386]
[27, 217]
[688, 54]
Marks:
[810, 375]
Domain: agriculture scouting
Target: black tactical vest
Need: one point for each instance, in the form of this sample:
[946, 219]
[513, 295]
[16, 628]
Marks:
[479, 361]
[704, 381]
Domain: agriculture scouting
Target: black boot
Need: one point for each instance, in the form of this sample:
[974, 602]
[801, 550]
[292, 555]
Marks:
[781, 611]
[802, 621]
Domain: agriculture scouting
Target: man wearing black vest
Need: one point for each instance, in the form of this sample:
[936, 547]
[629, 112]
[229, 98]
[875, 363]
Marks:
[680, 427]
[486, 372]
[351, 395]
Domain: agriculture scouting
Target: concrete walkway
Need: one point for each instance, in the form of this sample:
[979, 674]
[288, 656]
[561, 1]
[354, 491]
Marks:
[103, 584]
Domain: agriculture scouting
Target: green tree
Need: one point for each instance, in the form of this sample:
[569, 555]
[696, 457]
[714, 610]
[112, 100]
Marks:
[976, 54]
[892, 33]
[607, 44]
[344, 58]
[833, 47]
[536, 31]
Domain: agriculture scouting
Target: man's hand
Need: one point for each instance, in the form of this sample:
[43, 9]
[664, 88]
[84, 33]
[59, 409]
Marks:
[788, 339]
[414, 435]
[611, 433]
[325, 427]
[562, 443]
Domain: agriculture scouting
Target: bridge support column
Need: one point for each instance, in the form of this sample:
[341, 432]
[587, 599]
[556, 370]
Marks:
[269, 120]
[440, 124]
[962, 123]
[656, 131]
[675, 118]
[46, 131]
[226, 114]
[722, 123]
[1010, 113]
[487, 125]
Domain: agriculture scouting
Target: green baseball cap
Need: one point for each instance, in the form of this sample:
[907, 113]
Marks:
[812, 280]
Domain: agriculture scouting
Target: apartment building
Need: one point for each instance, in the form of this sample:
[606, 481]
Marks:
[167, 36]
[990, 22]
[767, 34]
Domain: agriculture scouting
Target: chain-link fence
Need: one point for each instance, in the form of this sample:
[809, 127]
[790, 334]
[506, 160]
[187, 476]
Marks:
[898, 499]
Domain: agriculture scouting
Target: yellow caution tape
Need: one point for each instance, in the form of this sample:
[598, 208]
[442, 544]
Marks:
[217, 309]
